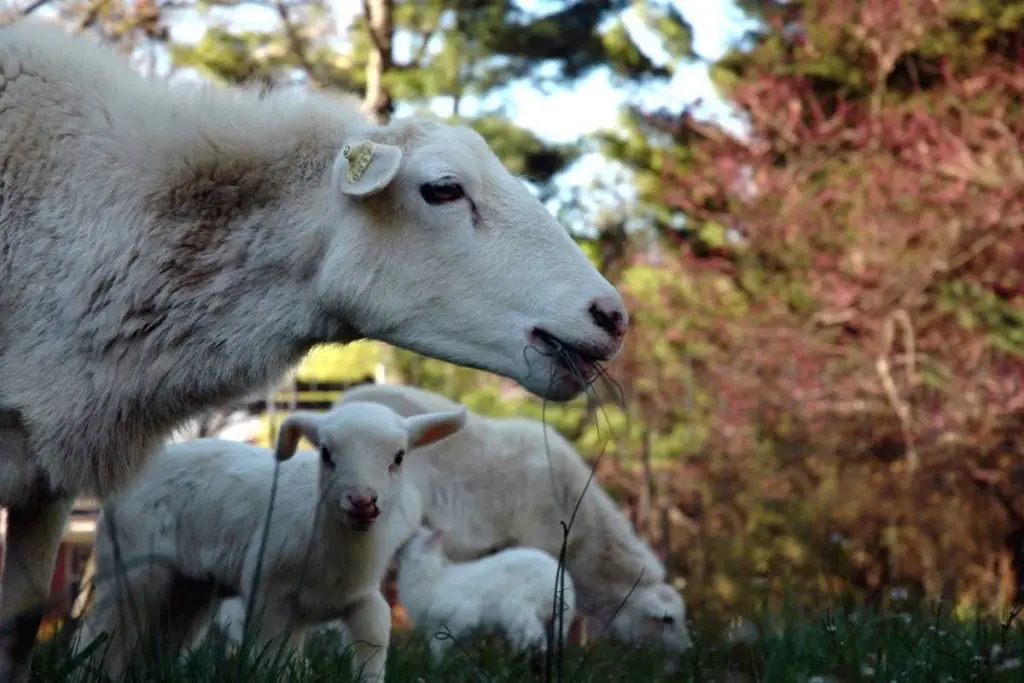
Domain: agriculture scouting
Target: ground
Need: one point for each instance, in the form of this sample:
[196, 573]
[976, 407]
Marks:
[926, 647]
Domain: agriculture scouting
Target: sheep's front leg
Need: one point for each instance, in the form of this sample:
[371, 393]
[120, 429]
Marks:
[30, 554]
[368, 621]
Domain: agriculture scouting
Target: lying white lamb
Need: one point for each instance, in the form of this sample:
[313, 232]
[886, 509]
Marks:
[171, 248]
[511, 593]
[202, 506]
[493, 486]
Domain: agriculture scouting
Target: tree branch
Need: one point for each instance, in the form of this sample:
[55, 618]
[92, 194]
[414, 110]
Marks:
[297, 44]
[421, 53]
[33, 6]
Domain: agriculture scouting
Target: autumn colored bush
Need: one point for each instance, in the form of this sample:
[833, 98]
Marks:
[839, 322]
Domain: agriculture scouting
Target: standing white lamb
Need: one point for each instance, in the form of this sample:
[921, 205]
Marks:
[199, 512]
[493, 486]
[511, 593]
[229, 619]
[166, 249]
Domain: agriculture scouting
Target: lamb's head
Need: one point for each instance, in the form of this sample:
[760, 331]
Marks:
[362, 448]
[443, 251]
[654, 615]
[424, 548]
[425, 542]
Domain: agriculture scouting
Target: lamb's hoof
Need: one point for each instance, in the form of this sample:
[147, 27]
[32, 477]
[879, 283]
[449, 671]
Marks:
[537, 661]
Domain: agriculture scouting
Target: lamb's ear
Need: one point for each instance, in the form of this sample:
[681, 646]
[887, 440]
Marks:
[434, 540]
[365, 167]
[293, 428]
[432, 427]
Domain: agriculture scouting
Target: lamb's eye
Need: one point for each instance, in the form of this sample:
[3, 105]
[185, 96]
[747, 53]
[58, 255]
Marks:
[325, 456]
[442, 192]
[399, 457]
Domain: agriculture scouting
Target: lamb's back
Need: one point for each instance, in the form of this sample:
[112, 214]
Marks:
[201, 499]
[517, 573]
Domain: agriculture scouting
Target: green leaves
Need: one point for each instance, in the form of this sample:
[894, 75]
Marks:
[522, 151]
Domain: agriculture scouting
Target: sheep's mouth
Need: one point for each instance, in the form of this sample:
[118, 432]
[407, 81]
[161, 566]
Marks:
[361, 521]
[578, 362]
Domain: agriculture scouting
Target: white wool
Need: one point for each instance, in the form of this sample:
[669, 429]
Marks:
[229, 619]
[171, 248]
[511, 593]
[493, 486]
[199, 509]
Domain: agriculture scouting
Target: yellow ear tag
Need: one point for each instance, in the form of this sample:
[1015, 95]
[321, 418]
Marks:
[359, 157]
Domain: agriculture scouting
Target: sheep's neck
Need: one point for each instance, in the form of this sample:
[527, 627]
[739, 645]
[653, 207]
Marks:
[229, 308]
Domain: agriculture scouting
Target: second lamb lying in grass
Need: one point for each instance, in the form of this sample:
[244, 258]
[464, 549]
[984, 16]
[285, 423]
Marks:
[517, 593]
[200, 511]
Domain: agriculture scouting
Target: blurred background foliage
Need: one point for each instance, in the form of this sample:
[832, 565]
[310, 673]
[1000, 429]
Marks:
[822, 388]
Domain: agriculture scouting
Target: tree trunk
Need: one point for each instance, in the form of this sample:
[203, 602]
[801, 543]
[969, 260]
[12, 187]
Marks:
[377, 101]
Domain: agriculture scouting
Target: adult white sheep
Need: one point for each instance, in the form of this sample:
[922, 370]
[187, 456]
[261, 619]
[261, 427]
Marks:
[493, 486]
[200, 508]
[167, 249]
[510, 593]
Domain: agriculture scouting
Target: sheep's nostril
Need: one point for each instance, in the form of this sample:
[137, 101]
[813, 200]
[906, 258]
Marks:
[609, 316]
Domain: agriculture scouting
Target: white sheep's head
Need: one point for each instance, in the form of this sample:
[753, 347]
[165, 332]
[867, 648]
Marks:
[444, 252]
[362, 448]
[654, 615]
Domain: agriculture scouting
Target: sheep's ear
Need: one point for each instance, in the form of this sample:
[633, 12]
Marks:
[293, 428]
[434, 539]
[365, 167]
[432, 427]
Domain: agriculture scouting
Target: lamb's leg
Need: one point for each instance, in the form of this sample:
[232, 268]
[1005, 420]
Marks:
[225, 621]
[524, 629]
[275, 626]
[192, 631]
[30, 554]
[438, 646]
[368, 621]
[125, 609]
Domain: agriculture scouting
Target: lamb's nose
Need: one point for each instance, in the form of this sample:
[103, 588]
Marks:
[609, 313]
[363, 499]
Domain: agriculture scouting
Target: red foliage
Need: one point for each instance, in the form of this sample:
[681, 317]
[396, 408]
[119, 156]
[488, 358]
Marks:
[886, 342]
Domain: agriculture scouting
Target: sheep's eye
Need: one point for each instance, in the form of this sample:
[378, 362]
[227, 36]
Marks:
[442, 192]
[325, 456]
[399, 457]
[666, 620]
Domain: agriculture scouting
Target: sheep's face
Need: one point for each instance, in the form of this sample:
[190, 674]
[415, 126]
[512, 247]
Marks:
[655, 615]
[363, 447]
[446, 253]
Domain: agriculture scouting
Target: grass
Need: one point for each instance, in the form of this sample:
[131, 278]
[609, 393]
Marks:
[861, 646]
